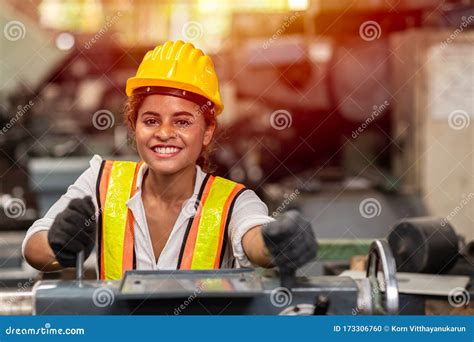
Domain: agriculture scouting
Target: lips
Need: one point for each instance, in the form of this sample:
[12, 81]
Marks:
[166, 151]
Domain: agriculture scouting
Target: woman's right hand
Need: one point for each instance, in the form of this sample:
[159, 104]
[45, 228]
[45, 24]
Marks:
[73, 230]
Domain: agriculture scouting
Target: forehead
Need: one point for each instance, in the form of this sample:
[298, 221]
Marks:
[167, 104]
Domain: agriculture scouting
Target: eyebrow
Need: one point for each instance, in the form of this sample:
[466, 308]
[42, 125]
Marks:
[183, 112]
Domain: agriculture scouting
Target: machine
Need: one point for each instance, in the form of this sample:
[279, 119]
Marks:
[421, 261]
[228, 292]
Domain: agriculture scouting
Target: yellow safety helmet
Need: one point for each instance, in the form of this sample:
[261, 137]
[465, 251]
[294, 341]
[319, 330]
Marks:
[178, 69]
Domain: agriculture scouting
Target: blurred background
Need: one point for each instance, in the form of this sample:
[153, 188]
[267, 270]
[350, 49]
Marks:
[356, 112]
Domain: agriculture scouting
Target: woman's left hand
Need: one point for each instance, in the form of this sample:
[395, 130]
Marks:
[290, 240]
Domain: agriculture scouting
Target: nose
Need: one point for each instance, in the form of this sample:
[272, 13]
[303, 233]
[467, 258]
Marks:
[165, 132]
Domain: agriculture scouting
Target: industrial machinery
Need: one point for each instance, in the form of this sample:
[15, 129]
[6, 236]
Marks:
[419, 262]
[228, 292]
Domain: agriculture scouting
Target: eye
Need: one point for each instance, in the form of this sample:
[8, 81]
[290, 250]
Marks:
[183, 123]
[150, 122]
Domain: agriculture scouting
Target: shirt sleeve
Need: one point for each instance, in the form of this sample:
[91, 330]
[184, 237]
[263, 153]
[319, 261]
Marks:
[249, 211]
[84, 186]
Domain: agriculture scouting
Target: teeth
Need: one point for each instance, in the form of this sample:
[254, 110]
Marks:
[166, 150]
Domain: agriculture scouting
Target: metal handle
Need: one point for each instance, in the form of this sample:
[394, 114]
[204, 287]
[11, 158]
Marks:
[381, 255]
[287, 278]
[80, 265]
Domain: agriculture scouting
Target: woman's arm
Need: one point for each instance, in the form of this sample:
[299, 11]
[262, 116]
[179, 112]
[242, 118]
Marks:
[39, 254]
[36, 248]
[248, 217]
[255, 249]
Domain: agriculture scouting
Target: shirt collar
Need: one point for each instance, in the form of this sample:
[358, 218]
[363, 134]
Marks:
[200, 175]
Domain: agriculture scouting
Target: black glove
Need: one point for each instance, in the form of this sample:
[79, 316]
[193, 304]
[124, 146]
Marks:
[290, 241]
[73, 230]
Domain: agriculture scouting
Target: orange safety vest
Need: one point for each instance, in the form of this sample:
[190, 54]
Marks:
[205, 239]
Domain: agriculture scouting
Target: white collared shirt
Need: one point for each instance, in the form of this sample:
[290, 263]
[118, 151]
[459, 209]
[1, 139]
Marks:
[249, 211]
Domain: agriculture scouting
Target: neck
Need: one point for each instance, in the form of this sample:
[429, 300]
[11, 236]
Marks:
[170, 188]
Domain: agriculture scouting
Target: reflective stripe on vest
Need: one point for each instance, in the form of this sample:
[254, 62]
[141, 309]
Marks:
[117, 185]
[205, 239]
[208, 231]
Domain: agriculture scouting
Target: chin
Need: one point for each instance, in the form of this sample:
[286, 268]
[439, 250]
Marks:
[166, 167]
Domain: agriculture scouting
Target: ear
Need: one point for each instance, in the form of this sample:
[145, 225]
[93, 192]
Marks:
[131, 139]
[208, 133]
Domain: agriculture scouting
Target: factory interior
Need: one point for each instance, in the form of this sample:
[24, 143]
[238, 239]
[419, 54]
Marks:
[354, 113]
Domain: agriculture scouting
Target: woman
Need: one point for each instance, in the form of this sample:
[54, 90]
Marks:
[164, 212]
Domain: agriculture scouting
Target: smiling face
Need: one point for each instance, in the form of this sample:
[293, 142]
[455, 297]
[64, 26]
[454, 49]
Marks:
[170, 133]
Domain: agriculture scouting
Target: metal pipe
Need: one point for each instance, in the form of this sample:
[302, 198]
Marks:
[16, 303]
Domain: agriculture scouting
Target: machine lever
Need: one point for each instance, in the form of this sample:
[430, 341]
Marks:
[80, 266]
[287, 278]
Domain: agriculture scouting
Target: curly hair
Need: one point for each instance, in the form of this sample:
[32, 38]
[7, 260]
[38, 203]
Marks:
[134, 103]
